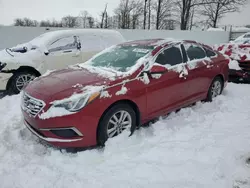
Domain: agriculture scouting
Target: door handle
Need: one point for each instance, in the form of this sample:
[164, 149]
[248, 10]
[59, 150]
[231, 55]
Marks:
[67, 51]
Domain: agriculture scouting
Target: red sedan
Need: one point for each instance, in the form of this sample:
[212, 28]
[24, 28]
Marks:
[120, 89]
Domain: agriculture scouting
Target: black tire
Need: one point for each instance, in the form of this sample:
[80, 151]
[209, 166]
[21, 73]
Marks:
[102, 135]
[12, 86]
[210, 93]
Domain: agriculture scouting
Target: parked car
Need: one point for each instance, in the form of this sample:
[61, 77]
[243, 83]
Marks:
[121, 88]
[243, 39]
[239, 67]
[51, 51]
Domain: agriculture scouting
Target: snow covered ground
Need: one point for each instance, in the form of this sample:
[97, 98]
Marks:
[204, 146]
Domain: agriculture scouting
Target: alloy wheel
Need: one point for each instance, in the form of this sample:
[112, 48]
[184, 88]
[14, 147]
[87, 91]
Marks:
[216, 88]
[120, 121]
[23, 80]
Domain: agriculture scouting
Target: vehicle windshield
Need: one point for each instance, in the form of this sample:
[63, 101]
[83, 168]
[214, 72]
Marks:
[120, 58]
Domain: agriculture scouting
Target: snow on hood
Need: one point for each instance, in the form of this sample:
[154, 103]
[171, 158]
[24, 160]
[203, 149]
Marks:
[33, 53]
[62, 83]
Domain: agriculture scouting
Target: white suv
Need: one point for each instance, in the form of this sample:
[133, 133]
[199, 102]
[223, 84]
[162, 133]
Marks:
[50, 51]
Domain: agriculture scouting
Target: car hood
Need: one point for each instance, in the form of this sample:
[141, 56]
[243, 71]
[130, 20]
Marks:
[63, 83]
[17, 56]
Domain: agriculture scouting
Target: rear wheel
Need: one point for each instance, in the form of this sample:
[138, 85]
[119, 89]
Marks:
[117, 119]
[215, 89]
[19, 80]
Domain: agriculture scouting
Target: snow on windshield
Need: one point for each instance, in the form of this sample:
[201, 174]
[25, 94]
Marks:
[120, 58]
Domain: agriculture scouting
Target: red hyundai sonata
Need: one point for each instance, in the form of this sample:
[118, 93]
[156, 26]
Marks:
[121, 88]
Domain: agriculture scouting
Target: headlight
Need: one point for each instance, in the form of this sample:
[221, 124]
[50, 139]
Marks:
[76, 103]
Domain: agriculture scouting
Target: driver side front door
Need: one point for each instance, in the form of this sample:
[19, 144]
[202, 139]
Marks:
[63, 52]
[167, 92]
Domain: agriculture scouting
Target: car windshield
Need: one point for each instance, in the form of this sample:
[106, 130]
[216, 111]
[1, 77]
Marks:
[120, 58]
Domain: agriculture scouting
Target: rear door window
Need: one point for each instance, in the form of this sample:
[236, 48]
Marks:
[194, 52]
[209, 52]
[63, 44]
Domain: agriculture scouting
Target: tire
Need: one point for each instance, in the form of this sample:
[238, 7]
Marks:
[19, 78]
[105, 124]
[213, 92]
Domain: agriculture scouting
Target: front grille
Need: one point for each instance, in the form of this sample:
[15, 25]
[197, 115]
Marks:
[32, 105]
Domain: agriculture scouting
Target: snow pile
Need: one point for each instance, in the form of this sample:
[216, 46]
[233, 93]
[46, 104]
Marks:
[105, 94]
[215, 29]
[145, 78]
[201, 146]
[240, 29]
[55, 112]
[233, 64]
[103, 72]
[123, 91]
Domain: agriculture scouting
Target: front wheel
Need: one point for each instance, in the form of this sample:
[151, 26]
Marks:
[117, 119]
[215, 89]
[19, 80]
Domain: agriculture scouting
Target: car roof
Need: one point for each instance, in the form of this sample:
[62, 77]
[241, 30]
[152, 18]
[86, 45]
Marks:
[50, 36]
[156, 42]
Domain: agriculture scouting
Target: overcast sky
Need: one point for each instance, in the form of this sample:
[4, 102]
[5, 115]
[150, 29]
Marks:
[48, 9]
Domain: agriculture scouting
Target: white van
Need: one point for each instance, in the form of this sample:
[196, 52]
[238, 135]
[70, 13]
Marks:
[50, 51]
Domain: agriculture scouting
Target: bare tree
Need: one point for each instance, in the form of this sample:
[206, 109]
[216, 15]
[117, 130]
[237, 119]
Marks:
[126, 13]
[83, 15]
[25, 22]
[91, 21]
[215, 11]
[69, 21]
[185, 8]
[18, 22]
[163, 9]
[104, 15]
[149, 14]
[145, 14]
[136, 13]
[158, 14]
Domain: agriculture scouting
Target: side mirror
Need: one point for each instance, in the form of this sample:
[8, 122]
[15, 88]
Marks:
[158, 69]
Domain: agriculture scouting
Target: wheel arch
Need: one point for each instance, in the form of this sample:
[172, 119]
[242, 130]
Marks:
[20, 69]
[131, 103]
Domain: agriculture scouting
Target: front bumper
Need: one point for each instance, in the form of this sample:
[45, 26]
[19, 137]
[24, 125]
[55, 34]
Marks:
[47, 139]
[85, 129]
[239, 76]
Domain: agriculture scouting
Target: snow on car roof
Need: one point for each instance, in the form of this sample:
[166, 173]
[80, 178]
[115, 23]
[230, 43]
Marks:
[51, 35]
[152, 42]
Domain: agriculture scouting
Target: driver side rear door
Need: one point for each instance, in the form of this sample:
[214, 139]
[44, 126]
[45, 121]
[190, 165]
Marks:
[63, 52]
